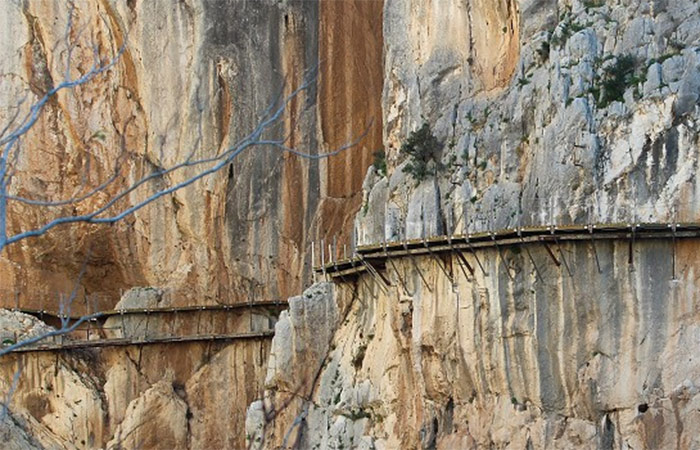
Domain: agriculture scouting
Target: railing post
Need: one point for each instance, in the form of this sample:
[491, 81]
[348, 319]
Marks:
[313, 261]
[335, 248]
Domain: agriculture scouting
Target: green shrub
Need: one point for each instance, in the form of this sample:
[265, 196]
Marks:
[543, 51]
[379, 163]
[615, 80]
[423, 149]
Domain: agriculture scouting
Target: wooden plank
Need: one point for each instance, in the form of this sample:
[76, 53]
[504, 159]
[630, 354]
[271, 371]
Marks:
[120, 342]
[167, 310]
[541, 235]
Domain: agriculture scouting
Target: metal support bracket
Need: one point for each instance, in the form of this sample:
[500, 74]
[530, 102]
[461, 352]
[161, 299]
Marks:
[551, 253]
[673, 251]
[398, 275]
[500, 255]
[439, 262]
[461, 260]
[473, 252]
[379, 278]
[529, 255]
[595, 252]
[563, 258]
[415, 266]
[630, 254]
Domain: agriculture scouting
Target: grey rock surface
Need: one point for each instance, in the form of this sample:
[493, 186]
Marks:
[548, 144]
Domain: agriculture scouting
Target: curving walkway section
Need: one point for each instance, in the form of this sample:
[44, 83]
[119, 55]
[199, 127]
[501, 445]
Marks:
[370, 258]
[62, 342]
[70, 344]
[266, 304]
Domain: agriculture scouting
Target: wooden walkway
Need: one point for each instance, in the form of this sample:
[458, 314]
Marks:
[370, 257]
[50, 345]
[101, 315]
[140, 337]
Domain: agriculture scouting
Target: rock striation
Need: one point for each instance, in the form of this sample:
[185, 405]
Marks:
[547, 113]
[524, 357]
[595, 121]
[193, 79]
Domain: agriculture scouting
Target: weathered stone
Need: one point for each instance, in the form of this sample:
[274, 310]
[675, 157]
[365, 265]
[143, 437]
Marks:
[157, 419]
[199, 90]
[194, 77]
[507, 360]
[532, 133]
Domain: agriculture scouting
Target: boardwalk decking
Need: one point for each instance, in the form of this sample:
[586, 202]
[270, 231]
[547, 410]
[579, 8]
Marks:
[69, 344]
[64, 342]
[368, 256]
[266, 304]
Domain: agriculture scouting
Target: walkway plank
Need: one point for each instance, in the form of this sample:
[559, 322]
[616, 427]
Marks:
[120, 342]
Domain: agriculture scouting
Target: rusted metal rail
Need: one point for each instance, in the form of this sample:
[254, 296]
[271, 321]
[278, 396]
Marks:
[376, 255]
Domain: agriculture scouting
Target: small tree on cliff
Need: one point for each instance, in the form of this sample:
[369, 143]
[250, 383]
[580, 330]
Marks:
[423, 150]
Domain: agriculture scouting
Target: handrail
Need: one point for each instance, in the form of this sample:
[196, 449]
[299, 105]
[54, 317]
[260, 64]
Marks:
[509, 237]
[116, 342]
[160, 309]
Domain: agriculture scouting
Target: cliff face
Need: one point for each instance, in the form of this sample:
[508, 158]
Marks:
[547, 112]
[588, 360]
[187, 395]
[194, 77]
[567, 112]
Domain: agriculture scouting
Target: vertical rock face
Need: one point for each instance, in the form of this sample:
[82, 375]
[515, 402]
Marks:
[589, 360]
[351, 57]
[191, 395]
[547, 112]
[158, 406]
[194, 78]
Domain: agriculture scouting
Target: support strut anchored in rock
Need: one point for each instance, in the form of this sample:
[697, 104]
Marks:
[551, 253]
[378, 277]
[500, 254]
[673, 250]
[461, 260]
[529, 254]
[415, 266]
[471, 249]
[595, 252]
[563, 258]
[398, 275]
[440, 263]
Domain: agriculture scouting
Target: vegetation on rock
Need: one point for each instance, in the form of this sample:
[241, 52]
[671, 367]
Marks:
[422, 148]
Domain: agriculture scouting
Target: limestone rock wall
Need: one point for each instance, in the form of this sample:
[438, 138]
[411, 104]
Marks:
[547, 112]
[155, 396]
[193, 79]
[596, 360]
